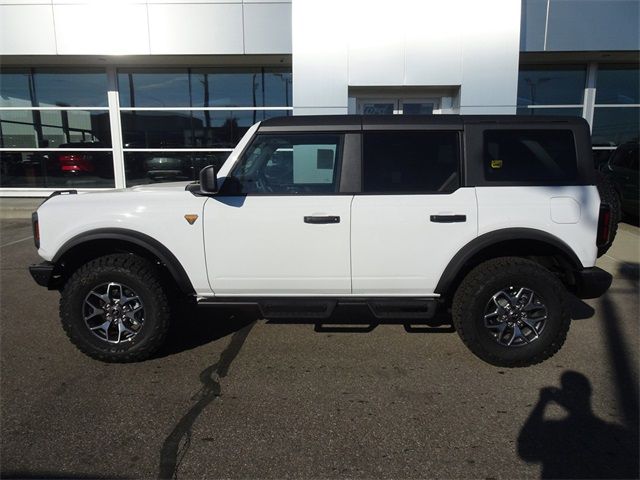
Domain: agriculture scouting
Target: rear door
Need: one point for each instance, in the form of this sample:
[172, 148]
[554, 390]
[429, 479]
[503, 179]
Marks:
[412, 216]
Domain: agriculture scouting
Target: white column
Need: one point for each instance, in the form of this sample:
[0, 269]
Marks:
[590, 93]
[116, 128]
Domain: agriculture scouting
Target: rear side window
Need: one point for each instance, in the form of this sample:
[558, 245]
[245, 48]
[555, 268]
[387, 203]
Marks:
[544, 156]
[410, 162]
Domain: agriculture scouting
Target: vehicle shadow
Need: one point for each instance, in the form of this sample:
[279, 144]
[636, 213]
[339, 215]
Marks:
[580, 445]
[198, 325]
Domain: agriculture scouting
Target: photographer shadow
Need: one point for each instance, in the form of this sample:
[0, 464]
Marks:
[580, 445]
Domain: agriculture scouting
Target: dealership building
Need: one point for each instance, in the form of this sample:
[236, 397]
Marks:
[115, 93]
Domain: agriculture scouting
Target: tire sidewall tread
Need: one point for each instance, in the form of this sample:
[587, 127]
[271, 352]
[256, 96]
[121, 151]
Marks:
[139, 274]
[486, 279]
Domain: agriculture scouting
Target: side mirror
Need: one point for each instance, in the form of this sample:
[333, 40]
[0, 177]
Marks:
[208, 180]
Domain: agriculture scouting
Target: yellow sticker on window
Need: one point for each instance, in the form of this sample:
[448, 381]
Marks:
[496, 164]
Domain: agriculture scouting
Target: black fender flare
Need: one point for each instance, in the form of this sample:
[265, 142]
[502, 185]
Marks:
[466, 253]
[153, 246]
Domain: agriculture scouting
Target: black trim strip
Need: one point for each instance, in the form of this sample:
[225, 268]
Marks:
[140, 239]
[467, 252]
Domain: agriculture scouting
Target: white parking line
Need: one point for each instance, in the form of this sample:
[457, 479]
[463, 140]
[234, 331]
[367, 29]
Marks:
[16, 241]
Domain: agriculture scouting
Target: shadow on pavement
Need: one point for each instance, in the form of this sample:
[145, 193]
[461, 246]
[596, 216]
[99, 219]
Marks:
[200, 325]
[177, 443]
[580, 445]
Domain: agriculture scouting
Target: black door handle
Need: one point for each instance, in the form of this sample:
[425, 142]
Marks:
[322, 219]
[448, 218]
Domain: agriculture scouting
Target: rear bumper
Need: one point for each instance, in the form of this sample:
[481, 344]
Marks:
[43, 274]
[591, 282]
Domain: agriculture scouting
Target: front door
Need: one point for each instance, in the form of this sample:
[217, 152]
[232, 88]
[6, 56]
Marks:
[278, 227]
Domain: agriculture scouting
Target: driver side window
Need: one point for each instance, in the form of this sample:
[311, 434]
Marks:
[287, 164]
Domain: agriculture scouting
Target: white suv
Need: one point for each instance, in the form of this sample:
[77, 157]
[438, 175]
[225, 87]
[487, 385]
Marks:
[493, 217]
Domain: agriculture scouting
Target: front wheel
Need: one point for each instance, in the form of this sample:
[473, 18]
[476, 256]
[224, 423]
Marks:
[511, 312]
[115, 309]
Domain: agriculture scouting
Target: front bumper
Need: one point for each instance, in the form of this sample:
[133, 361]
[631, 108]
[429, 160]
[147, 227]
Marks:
[591, 282]
[44, 275]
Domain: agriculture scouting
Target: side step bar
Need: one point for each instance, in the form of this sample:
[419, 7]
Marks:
[320, 308]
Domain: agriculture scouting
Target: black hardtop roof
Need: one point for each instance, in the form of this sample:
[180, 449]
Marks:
[357, 122]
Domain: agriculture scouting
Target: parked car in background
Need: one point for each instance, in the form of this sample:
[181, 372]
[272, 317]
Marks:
[622, 172]
[77, 163]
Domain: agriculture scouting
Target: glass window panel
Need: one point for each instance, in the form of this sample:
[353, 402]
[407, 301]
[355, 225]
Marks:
[54, 129]
[287, 164]
[615, 125]
[167, 88]
[561, 112]
[213, 88]
[71, 88]
[410, 161]
[14, 89]
[377, 108]
[529, 155]
[551, 85]
[417, 108]
[618, 84]
[154, 167]
[63, 88]
[57, 169]
[601, 156]
[190, 129]
[277, 89]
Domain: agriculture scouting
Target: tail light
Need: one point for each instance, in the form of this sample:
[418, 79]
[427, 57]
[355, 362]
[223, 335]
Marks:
[36, 229]
[604, 225]
[74, 162]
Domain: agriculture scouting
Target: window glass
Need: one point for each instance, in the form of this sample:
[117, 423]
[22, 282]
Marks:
[189, 129]
[626, 156]
[14, 89]
[71, 88]
[287, 164]
[54, 128]
[560, 112]
[148, 88]
[153, 167]
[410, 161]
[378, 108]
[49, 88]
[212, 87]
[618, 84]
[542, 85]
[529, 155]
[57, 169]
[417, 108]
[615, 125]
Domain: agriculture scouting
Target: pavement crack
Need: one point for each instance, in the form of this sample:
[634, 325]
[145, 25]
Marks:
[177, 443]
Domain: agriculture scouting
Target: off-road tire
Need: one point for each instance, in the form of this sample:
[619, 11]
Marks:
[608, 195]
[476, 290]
[139, 274]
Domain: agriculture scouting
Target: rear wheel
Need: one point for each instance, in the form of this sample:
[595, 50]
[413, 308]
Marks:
[511, 312]
[115, 308]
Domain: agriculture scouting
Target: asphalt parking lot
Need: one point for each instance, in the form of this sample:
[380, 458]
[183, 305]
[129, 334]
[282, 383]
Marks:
[235, 396]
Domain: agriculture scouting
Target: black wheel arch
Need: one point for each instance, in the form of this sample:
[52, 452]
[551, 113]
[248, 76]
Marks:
[526, 242]
[104, 241]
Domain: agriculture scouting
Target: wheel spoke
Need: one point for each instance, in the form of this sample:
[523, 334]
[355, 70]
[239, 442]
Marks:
[111, 314]
[94, 312]
[513, 311]
[114, 287]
